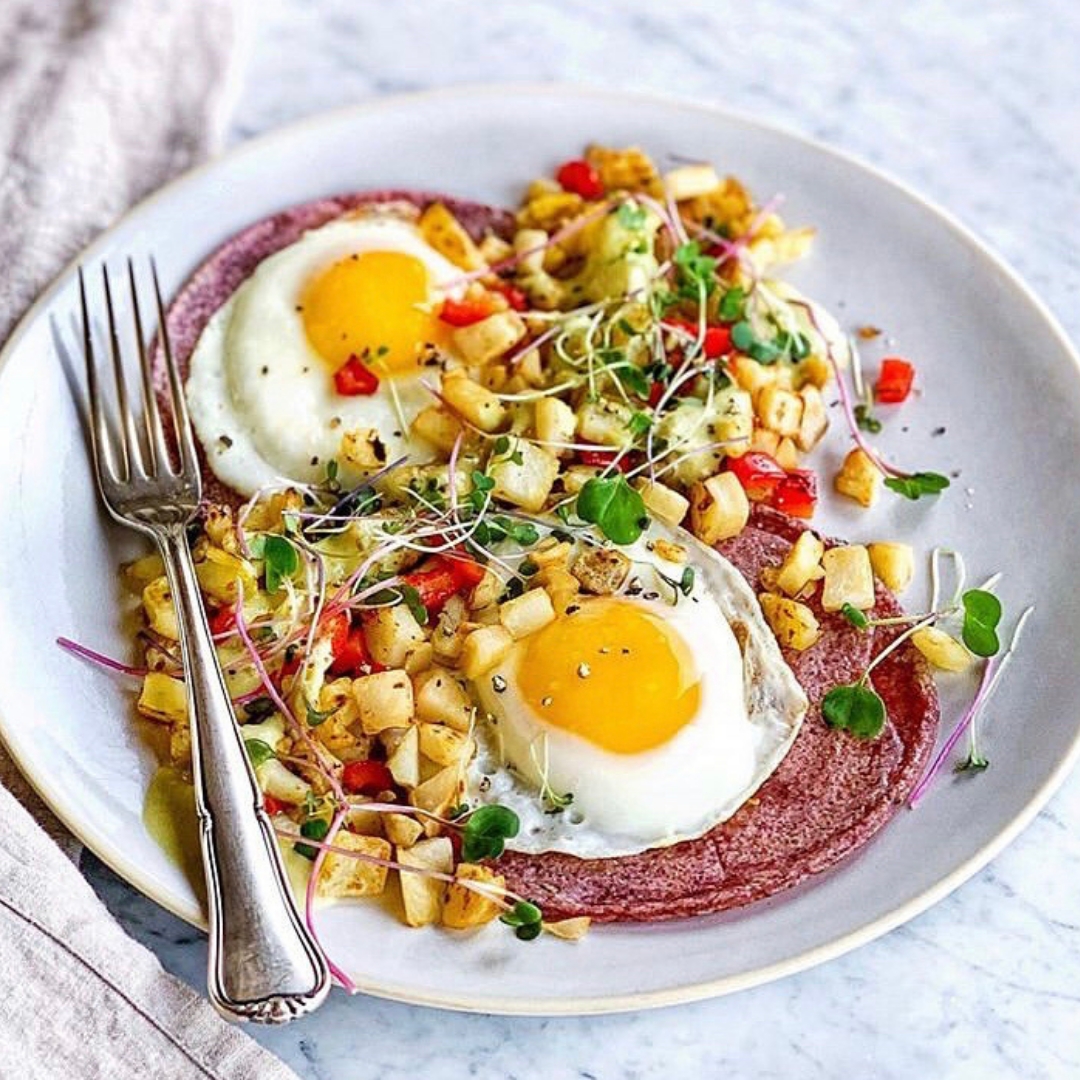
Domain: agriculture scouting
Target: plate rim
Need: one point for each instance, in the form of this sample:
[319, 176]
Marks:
[112, 855]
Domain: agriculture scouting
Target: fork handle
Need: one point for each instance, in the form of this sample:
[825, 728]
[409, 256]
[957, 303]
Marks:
[264, 963]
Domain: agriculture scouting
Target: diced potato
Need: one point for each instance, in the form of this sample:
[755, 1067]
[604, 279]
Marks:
[719, 508]
[569, 929]
[219, 572]
[691, 181]
[475, 403]
[419, 658]
[437, 792]
[491, 337]
[140, 572]
[605, 422]
[555, 423]
[734, 421]
[894, 564]
[527, 613]
[342, 875]
[941, 649]
[765, 441]
[163, 698]
[787, 454]
[794, 624]
[801, 565]
[363, 449]
[627, 168]
[385, 700]
[443, 745]
[561, 586]
[463, 907]
[551, 553]
[448, 236]
[420, 892]
[360, 820]
[577, 476]
[849, 578]
[448, 637]
[780, 410]
[814, 370]
[266, 514]
[859, 478]
[662, 502]
[160, 610]
[281, 783]
[402, 830]
[814, 419]
[754, 376]
[601, 570]
[423, 478]
[441, 699]
[391, 633]
[526, 485]
[437, 426]
[404, 762]
[530, 368]
[180, 744]
[334, 731]
[484, 648]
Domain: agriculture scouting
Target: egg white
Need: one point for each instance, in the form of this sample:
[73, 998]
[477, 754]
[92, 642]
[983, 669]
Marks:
[750, 712]
[262, 399]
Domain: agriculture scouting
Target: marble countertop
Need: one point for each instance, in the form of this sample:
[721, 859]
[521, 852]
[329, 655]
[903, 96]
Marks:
[975, 104]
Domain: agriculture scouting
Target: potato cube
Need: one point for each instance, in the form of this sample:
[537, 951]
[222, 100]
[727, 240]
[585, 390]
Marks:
[483, 649]
[787, 454]
[437, 792]
[404, 761]
[941, 649]
[466, 907]
[385, 700]
[160, 611]
[180, 744]
[447, 235]
[753, 376]
[527, 613]
[441, 699]
[402, 830]
[662, 502]
[555, 423]
[894, 564]
[814, 418]
[719, 508]
[363, 449]
[577, 476]
[601, 570]
[859, 478]
[480, 407]
[163, 698]
[219, 573]
[526, 484]
[488, 338]
[551, 553]
[814, 370]
[391, 633]
[437, 426]
[801, 565]
[765, 441]
[140, 572]
[342, 875]
[281, 783]
[443, 745]
[605, 422]
[794, 624]
[849, 578]
[780, 410]
[561, 586]
[691, 181]
[422, 893]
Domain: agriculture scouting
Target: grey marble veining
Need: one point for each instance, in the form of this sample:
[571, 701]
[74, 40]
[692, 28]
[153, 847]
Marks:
[978, 106]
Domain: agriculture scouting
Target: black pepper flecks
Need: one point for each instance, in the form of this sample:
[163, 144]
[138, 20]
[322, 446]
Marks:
[498, 684]
[225, 441]
[938, 431]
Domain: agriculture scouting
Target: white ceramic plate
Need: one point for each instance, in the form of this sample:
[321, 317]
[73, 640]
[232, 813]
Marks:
[995, 369]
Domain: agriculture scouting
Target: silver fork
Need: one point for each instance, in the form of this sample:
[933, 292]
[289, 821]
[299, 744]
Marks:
[264, 964]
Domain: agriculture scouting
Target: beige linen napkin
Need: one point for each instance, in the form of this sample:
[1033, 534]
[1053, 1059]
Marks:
[100, 102]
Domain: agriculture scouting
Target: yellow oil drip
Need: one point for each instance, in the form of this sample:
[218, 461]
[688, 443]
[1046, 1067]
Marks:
[170, 818]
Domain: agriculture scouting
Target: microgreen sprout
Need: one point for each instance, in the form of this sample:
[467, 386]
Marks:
[486, 831]
[616, 508]
[258, 751]
[526, 919]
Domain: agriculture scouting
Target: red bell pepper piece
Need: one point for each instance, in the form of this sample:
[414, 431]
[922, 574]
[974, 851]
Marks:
[515, 297]
[603, 458]
[759, 474]
[352, 657]
[797, 493]
[442, 578]
[354, 379]
[222, 621]
[581, 178]
[366, 778]
[464, 312]
[274, 806]
[894, 380]
[717, 340]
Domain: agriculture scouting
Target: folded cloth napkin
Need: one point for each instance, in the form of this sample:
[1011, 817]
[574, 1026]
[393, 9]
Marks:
[102, 101]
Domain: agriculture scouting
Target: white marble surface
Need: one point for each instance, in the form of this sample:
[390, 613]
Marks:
[978, 105]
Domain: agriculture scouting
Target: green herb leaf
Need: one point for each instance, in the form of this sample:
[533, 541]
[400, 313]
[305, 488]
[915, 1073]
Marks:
[315, 717]
[732, 304]
[917, 484]
[610, 503]
[973, 763]
[695, 271]
[865, 419]
[259, 709]
[855, 708]
[855, 616]
[525, 918]
[413, 602]
[313, 829]
[486, 831]
[982, 613]
[258, 751]
[639, 423]
[742, 336]
[501, 445]
[686, 582]
[281, 561]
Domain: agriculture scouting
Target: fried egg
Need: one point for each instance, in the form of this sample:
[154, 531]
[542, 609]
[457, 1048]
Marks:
[639, 719]
[261, 387]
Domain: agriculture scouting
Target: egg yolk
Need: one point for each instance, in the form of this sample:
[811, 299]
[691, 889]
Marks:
[370, 305]
[614, 673]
